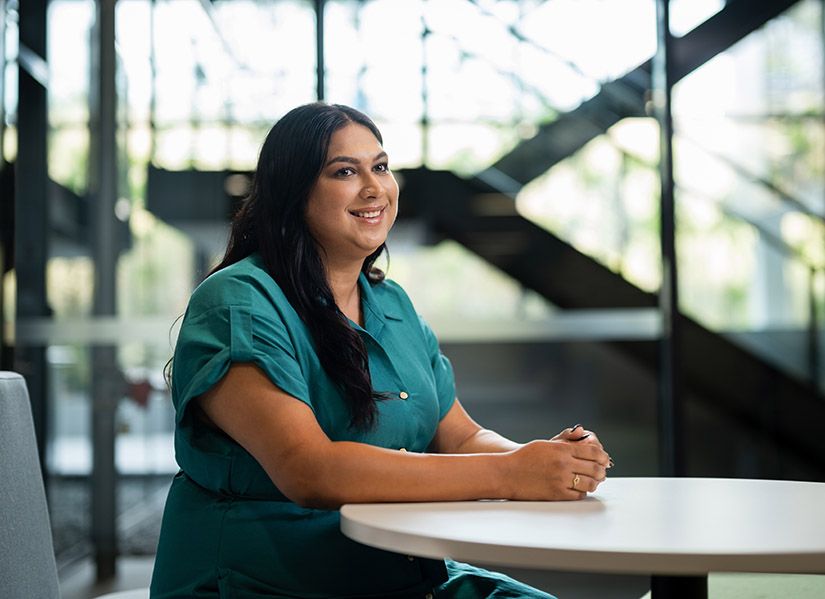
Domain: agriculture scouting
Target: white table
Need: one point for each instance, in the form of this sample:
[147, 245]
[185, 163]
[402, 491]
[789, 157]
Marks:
[676, 529]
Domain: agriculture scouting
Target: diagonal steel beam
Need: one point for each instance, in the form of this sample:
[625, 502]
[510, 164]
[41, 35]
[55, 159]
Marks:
[625, 97]
[732, 381]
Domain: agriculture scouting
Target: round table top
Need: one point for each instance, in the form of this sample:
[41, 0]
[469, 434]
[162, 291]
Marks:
[630, 525]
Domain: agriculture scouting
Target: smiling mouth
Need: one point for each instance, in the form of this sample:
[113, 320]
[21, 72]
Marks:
[370, 214]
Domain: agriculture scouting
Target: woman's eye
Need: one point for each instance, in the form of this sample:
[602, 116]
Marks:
[382, 168]
[344, 172]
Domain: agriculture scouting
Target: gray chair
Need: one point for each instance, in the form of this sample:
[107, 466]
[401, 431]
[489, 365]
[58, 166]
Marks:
[136, 594]
[27, 565]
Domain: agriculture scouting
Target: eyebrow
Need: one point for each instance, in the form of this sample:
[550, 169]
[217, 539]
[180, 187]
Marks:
[351, 160]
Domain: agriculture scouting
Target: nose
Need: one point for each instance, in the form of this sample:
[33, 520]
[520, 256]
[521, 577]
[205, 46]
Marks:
[371, 186]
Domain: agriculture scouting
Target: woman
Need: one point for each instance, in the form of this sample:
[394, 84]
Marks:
[304, 380]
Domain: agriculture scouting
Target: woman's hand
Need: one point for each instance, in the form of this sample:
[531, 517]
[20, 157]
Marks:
[578, 434]
[560, 468]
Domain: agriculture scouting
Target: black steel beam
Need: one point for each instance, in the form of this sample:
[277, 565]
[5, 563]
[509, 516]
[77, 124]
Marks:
[625, 97]
[781, 409]
[6, 253]
[320, 63]
[670, 413]
[106, 382]
[2, 90]
[31, 213]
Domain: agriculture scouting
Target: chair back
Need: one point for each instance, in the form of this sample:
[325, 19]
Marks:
[27, 564]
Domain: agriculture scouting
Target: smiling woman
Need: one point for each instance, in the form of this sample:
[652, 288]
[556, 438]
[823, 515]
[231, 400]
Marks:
[354, 202]
[303, 379]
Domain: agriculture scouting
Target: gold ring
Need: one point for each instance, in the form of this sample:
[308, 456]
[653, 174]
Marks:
[576, 480]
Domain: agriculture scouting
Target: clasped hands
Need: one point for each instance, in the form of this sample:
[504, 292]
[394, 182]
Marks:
[566, 467]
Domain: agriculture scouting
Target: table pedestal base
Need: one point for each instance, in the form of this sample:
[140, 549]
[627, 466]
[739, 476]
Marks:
[679, 587]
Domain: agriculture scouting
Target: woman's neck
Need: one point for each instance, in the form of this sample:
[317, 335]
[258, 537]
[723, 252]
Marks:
[343, 282]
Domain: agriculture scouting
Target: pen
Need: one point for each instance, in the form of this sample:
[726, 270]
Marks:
[574, 427]
[610, 462]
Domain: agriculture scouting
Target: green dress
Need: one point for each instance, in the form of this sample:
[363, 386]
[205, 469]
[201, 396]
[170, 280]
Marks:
[227, 530]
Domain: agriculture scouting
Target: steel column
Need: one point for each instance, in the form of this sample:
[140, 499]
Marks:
[6, 201]
[105, 374]
[671, 429]
[32, 210]
[678, 587]
[2, 80]
[672, 454]
[425, 91]
[320, 66]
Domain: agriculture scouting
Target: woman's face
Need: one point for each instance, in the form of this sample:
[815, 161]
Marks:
[354, 202]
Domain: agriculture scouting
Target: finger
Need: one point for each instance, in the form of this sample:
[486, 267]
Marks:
[589, 438]
[571, 495]
[594, 470]
[568, 493]
[577, 434]
[583, 483]
[588, 451]
[570, 433]
[593, 439]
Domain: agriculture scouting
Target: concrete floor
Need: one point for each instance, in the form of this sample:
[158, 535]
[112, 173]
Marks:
[78, 581]
[135, 572]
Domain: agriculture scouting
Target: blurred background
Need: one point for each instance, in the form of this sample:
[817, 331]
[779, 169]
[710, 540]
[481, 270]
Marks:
[527, 136]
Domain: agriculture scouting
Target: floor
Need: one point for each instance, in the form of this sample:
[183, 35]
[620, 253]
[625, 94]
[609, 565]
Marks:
[78, 581]
[135, 572]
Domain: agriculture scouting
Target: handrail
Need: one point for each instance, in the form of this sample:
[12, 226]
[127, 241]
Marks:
[772, 239]
[778, 192]
[783, 195]
[209, 11]
[524, 39]
[508, 74]
[775, 241]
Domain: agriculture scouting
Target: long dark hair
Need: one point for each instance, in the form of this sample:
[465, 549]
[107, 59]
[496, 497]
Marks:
[271, 222]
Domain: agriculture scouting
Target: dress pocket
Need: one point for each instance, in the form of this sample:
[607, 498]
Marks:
[235, 585]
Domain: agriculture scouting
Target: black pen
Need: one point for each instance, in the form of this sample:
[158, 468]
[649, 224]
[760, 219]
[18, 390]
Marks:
[574, 427]
[610, 462]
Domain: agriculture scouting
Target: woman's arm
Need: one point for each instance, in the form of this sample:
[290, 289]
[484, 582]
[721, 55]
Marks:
[282, 434]
[459, 433]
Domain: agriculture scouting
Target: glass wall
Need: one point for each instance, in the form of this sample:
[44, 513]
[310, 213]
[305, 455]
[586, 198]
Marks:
[748, 156]
[454, 85]
[197, 89]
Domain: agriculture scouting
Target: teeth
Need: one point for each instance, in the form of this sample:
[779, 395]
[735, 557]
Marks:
[371, 214]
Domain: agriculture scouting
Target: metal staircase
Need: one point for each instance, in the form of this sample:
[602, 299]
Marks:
[625, 97]
[733, 380]
[479, 213]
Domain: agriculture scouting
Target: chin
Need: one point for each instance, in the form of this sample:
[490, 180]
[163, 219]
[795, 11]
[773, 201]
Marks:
[371, 245]
[369, 251]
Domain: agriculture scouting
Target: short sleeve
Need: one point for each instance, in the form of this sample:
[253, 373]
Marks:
[442, 371]
[211, 340]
